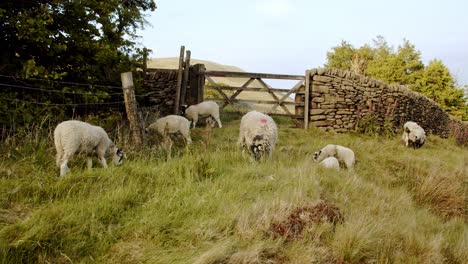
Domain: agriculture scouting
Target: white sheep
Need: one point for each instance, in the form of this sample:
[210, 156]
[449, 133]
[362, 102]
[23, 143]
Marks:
[413, 135]
[72, 137]
[330, 163]
[259, 134]
[343, 154]
[170, 125]
[207, 108]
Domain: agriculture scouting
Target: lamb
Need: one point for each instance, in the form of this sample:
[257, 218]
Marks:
[207, 108]
[72, 137]
[330, 163]
[170, 125]
[259, 134]
[413, 135]
[343, 154]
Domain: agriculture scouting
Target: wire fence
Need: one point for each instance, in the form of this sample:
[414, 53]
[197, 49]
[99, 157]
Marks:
[26, 99]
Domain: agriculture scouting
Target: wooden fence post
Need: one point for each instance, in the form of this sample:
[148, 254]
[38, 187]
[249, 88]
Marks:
[306, 99]
[197, 83]
[131, 108]
[179, 81]
[185, 82]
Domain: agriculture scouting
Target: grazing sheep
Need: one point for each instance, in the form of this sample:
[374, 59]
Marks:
[170, 125]
[343, 154]
[413, 135]
[330, 163]
[72, 137]
[259, 134]
[207, 108]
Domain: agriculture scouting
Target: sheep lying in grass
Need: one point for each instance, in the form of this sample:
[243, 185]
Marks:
[171, 125]
[330, 163]
[413, 135]
[343, 154]
[71, 137]
[207, 108]
[259, 134]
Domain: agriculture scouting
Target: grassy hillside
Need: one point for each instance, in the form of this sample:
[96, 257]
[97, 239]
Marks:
[173, 63]
[208, 204]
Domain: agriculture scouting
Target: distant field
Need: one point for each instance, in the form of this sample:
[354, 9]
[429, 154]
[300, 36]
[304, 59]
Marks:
[209, 204]
[173, 63]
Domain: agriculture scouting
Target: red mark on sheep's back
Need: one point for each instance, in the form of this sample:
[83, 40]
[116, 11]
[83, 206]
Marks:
[263, 121]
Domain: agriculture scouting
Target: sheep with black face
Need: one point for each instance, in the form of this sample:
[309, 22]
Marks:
[413, 135]
[72, 137]
[258, 134]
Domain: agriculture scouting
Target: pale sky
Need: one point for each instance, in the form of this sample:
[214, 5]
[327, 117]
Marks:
[290, 36]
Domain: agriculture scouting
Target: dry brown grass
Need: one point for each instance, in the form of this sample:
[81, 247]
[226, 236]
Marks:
[300, 217]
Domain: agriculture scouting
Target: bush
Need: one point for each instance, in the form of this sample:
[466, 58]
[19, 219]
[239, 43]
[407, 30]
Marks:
[460, 133]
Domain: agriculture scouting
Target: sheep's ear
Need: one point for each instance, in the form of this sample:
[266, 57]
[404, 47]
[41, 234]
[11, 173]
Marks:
[183, 108]
[120, 153]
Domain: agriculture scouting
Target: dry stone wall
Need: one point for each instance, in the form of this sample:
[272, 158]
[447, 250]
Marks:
[340, 98]
[158, 90]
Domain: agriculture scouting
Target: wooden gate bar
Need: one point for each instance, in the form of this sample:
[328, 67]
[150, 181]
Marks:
[253, 75]
[241, 89]
[273, 95]
[299, 84]
[254, 89]
[213, 83]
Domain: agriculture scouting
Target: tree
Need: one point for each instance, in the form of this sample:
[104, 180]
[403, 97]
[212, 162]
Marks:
[400, 67]
[403, 66]
[83, 40]
[438, 84]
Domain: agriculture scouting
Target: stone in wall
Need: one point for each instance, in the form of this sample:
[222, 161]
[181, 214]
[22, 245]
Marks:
[158, 90]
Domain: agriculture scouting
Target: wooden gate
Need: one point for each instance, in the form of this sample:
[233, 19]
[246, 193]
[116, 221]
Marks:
[279, 96]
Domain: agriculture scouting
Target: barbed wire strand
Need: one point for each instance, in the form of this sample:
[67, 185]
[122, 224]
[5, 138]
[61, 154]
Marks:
[62, 82]
[64, 92]
[64, 104]
[48, 90]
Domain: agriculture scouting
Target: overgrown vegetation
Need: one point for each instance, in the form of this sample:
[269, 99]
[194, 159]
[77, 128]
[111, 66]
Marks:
[87, 42]
[208, 204]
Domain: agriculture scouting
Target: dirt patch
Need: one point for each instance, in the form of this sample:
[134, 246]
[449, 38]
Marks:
[300, 217]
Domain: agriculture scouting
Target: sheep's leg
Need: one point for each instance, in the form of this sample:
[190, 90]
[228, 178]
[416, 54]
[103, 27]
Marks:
[186, 136]
[195, 120]
[89, 162]
[167, 145]
[58, 159]
[103, 161]
[63, 167]
[218, 121]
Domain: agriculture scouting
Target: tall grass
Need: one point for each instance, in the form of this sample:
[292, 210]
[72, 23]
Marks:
[209, 204]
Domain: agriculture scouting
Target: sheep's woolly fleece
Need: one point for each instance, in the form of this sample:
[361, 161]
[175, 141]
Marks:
[172, 124]
[74, 136]
[343, 154]
[330, 163]
[207, 108]
[259, 134]
[413, 135]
